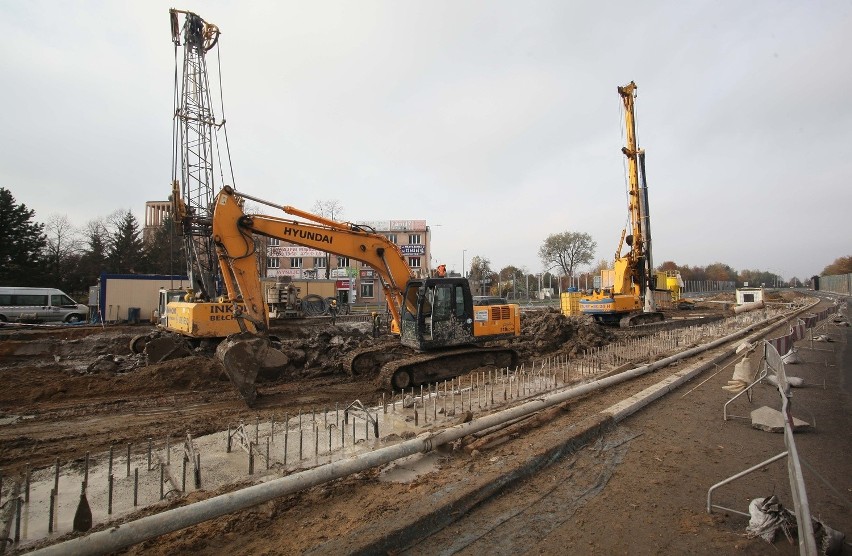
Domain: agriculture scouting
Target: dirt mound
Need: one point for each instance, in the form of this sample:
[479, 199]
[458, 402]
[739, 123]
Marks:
[549, 332]
[196, 372]
[324, 352]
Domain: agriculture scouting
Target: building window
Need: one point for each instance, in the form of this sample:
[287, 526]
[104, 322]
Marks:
[414, 239]
[342, 262]
[367, 289]
[273, 241]
[414, 262]
[295, 262]
[391, 237]
[320, 262]
[273, 262]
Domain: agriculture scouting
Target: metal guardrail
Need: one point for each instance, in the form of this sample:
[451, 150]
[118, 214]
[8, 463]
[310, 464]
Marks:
[772, 361]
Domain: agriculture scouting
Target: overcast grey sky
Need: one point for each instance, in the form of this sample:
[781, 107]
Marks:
[497, 122]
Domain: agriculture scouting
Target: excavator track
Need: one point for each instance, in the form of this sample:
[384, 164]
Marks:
[367, 362]
[639, 319]
[423, 368]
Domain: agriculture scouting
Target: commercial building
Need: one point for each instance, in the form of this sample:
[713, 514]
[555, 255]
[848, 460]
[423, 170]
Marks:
[355, 282]
[156, 214]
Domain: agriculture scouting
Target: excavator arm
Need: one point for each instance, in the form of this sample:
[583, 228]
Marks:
[234, 231]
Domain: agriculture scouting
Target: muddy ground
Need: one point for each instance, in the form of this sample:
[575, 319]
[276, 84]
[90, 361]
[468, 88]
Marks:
[76, 389]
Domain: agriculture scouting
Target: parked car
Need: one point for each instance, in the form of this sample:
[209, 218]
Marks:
[39, 305]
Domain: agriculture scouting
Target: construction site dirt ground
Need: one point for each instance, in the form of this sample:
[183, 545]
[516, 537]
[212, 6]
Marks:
[646, 496]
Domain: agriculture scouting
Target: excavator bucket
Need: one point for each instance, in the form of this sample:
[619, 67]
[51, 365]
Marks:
[242, 355]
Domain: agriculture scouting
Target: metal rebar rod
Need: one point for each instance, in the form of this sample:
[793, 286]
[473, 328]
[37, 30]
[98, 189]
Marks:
[109, 496]
[27, 480]
[434, 409]
[18, 505]
[136, 484]
[50, 511]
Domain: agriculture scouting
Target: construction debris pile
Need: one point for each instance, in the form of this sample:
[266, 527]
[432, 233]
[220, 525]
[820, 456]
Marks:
[549, 332]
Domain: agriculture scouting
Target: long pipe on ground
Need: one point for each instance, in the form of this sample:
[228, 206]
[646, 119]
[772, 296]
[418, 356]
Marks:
[149, 527]
[751, 306]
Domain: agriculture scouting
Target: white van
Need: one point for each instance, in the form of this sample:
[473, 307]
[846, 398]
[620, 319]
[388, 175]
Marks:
[39, 305]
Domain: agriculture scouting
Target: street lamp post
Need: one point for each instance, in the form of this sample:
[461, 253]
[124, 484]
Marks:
[464, 272]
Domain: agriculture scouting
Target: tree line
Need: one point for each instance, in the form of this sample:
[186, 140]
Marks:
[56, 254]
[563, 254]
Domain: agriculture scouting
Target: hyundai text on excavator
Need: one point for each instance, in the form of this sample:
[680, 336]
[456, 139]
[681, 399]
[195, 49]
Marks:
[629, 300]
[438, 323]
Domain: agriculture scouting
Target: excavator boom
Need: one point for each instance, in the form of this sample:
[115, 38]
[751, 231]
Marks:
[233, 234]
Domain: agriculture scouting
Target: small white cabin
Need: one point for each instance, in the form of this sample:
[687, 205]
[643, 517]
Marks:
[749, 295]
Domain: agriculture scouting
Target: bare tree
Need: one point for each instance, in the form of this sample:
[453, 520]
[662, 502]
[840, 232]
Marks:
[567, 250]
[333, 210]
[481, 276]
[63, 244]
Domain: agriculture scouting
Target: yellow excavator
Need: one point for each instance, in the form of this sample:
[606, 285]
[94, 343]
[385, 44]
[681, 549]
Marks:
[629, 300]
[438, 324]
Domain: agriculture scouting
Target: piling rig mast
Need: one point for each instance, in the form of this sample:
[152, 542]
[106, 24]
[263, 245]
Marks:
[195, 150]
[629, 300]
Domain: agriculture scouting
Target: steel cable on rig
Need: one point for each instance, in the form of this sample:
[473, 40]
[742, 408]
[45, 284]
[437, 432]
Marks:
[224, 127]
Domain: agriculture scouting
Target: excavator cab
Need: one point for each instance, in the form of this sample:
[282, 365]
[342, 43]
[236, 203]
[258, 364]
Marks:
[437, 312]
